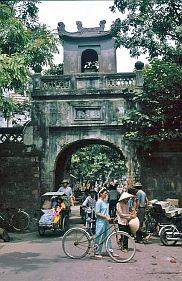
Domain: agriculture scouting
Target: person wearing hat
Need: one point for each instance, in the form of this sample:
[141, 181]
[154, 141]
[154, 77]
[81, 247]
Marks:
[66, 189]
[124, 216]
[141, 202]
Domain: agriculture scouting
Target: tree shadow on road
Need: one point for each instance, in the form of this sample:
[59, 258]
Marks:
[24, 261]
[36, 238]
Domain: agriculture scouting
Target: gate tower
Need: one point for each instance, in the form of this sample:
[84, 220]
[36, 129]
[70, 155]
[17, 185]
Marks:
[88, 45]
[83, 106]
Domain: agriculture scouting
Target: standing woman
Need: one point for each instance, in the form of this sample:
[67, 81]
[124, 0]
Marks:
[102, 222]
[124, 216]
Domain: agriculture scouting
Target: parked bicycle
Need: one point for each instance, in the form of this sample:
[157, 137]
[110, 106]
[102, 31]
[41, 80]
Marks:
[78, 242]
[155, 219]
[150, 223]
[12, 219]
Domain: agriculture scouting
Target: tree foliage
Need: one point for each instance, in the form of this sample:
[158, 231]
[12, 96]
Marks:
[150, 26]
[55, 69]
[97, 162]
[155, 113]
[153, 27]
[25, 46]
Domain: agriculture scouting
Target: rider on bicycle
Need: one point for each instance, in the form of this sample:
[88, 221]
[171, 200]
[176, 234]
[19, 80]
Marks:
[89, 203]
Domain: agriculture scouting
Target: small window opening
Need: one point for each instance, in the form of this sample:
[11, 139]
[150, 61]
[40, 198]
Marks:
[89, 60]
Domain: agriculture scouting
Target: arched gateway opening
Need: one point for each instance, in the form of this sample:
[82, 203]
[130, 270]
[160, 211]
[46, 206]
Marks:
[62, 164]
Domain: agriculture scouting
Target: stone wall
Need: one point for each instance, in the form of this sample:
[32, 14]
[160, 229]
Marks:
[161, 172]
[19, 177]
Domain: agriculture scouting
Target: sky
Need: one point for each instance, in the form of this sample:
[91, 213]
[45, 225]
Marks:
[90, 13]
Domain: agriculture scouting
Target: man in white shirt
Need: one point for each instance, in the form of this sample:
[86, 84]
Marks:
[66, 189]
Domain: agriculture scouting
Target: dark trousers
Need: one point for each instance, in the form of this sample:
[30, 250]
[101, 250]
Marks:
[124, 239]
[112, 208]
[140, 234]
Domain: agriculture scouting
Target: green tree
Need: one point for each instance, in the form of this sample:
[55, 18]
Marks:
[150, 26]
[97, 162]
[55, 69]
[25, 10]
[153, 27]
[25, 46]
[155, 113]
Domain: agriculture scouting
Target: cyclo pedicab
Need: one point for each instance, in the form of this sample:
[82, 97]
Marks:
[55, 212]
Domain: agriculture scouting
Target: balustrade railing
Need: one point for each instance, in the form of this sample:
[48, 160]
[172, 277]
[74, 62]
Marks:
[11, 135]
[64, 84]
[121, 82]
[73, 83]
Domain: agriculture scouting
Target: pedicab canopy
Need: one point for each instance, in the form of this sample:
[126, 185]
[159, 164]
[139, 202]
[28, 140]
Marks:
[50, 195]
[53, 193]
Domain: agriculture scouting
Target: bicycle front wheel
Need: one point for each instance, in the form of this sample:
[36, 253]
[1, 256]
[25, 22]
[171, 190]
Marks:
[20, 221]
[76, 243]
[118, 241]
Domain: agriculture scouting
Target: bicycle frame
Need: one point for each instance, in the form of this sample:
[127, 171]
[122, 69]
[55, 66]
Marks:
[78, 242]
[93, 237]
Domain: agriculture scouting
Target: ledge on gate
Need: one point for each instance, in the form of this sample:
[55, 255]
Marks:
[85, 82]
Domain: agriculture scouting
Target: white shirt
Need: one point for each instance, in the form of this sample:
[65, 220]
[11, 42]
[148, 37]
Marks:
[89, 202]
[67, 190]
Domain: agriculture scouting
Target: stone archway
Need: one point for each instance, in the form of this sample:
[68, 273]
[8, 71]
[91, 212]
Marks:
[68, 150]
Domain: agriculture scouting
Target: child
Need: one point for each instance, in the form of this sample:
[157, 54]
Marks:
[61, 205]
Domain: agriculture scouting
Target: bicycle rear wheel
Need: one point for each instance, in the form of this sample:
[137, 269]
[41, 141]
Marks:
[76, 243]
[20, 221]
[116, 239]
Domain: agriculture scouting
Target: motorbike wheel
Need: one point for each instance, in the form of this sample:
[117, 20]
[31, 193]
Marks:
[164, 235]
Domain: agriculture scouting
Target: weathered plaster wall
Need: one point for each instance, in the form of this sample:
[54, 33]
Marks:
[62, 122]
[19, 177]
[161, 172]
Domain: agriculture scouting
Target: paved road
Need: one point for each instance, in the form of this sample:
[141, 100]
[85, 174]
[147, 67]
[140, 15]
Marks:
[31, 258]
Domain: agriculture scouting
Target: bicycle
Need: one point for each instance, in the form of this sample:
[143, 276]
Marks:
[17, 220]
[78, 242]
[150, 224]
[155, 219]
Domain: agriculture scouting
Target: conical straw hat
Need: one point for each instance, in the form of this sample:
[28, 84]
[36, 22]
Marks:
[125, 195]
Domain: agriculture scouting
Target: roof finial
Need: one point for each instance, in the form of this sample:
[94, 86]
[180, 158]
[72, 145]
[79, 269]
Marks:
[79, 26]
[102, 25]
[61, 26]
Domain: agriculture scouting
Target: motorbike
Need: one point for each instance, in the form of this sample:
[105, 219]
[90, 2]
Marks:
[171, 233]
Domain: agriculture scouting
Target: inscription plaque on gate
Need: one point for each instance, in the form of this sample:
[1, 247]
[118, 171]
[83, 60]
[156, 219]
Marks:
[84, 114]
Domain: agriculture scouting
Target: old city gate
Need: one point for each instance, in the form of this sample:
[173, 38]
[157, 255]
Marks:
[83, 106]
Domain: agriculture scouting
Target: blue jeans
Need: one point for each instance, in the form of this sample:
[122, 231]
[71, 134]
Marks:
[102, 231]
